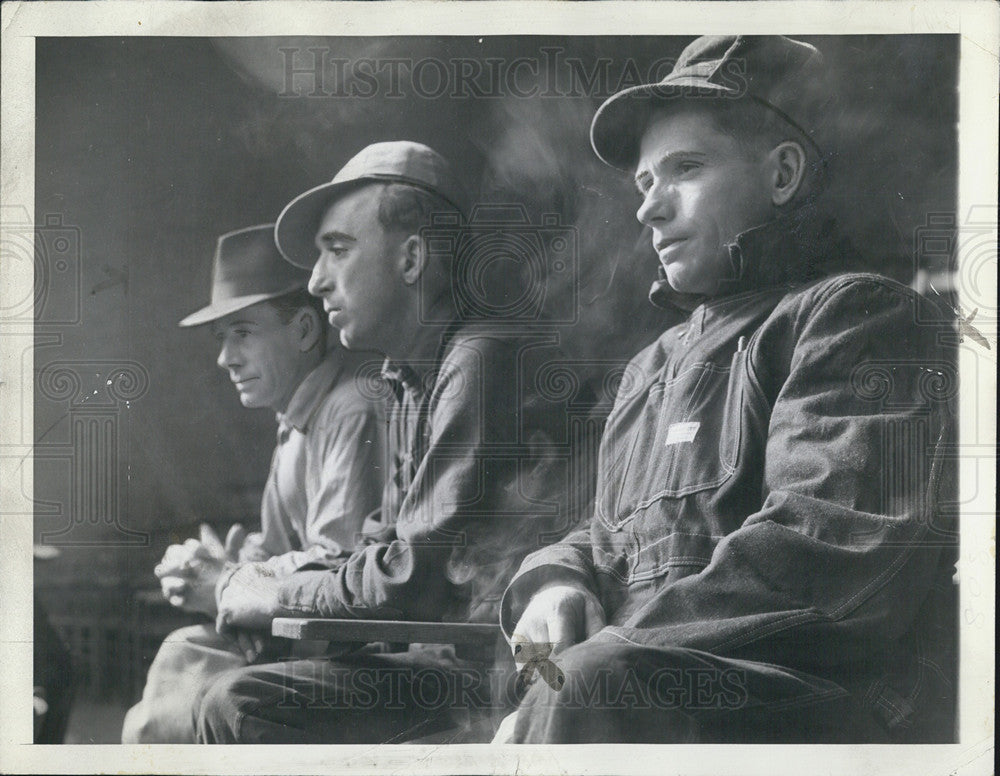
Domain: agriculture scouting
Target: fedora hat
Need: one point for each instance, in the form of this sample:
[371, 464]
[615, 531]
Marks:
[782, 74]
[247, 269]
[400, 161]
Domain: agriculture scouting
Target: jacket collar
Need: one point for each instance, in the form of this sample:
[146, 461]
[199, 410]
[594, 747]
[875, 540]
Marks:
[311, 391]
[794, 248]
[419, 374]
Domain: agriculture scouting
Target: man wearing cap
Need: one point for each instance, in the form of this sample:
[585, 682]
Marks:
[474, 483]
[770, 557]
[325, 477]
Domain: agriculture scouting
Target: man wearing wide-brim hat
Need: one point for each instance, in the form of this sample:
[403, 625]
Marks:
[771, 554]
[325, 476]
[478, 472]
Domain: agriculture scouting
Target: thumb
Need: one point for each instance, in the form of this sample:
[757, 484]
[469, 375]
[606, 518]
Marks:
[210, 539]
[234, 541]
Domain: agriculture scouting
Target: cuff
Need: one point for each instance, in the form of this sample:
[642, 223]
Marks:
[224, 576]
[552, 564]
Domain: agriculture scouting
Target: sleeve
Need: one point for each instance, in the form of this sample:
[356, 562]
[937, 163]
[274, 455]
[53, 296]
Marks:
[851, 534]
[467, 518]
[344, 474]
[569, 561]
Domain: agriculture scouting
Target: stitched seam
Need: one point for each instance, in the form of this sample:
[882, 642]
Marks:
[769, 629]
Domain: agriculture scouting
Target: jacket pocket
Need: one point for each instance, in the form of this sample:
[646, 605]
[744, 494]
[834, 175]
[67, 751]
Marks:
[678, 438]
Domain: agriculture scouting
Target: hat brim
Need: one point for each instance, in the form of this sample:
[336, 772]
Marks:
[225, 307]
[295, 229]
[620, 121]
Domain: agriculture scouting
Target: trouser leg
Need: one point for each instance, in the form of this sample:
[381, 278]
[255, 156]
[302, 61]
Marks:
[360, 699]
[623, 693]
[182, 671]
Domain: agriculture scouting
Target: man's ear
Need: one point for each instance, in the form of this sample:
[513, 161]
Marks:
[307, 327]
[788, 161]
[412, 258]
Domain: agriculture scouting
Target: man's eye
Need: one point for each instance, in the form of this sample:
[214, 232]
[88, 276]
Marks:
[686, 167]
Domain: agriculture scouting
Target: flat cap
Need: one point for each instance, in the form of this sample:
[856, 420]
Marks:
[399, 161]
[778, 72]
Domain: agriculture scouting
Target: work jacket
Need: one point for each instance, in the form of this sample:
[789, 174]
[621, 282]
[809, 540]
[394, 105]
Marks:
[774, 481]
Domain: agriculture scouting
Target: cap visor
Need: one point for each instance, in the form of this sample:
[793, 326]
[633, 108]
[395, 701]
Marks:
[295, 229]
[226, 307]
[619, 122]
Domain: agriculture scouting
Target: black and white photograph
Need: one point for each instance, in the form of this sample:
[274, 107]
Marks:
[414, 382]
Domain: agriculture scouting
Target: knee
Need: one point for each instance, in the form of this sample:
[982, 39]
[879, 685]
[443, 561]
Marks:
[217, 718]
[134, 728]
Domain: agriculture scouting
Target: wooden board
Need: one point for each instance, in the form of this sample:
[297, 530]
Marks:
[385, 630]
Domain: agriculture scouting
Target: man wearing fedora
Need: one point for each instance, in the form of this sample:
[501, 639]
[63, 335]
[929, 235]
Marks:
[771, 552]
[475, 481]
[325, 476]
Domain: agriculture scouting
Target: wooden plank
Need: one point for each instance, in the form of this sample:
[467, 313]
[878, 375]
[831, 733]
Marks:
[385, 630]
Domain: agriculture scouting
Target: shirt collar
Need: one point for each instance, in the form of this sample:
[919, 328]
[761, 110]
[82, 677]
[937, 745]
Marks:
[795, 247]
[312, 390]
[419, 371]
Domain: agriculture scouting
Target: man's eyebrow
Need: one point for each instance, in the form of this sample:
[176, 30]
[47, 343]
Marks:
[219, 328]
[332, 235]
[667, 158]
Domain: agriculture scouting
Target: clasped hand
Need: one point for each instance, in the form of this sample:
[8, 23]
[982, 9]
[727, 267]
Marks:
[188, 572]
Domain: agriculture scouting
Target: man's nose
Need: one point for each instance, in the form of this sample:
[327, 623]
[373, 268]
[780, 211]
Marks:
[657, 206]
[321, 280]
[227, 355]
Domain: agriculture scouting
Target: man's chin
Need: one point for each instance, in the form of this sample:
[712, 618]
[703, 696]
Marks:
[682, 282]
[249, 402]
[350, 341]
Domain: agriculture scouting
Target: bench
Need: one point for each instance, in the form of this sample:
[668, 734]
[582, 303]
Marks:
[480, 725]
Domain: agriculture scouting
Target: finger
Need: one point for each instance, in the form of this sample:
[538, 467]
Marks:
[594, 618]
[222, 626]
[176, 600]
[172, 586]
[235, 540]
[258, 643]
[246, 645]
[197, 549]
[210, 539]
[562, 627]
[530, 631]
[172, 560]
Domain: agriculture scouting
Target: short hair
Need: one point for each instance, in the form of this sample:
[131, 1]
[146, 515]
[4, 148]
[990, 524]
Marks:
[288, 305]
[408, 208]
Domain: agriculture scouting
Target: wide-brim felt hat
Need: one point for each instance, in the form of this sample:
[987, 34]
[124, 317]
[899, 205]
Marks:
[399, 161]
[782, 74]
[247, 269]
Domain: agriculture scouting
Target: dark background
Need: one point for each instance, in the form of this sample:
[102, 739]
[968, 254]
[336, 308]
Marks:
[148, 148]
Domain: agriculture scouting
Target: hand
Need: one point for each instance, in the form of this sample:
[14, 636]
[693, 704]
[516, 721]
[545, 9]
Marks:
[257, 646]
[559, 615]
[180, 559]
[252, 549]
[188, 572]
[249, 599]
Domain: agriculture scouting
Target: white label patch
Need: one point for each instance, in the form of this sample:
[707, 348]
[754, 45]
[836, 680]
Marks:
[681, 432]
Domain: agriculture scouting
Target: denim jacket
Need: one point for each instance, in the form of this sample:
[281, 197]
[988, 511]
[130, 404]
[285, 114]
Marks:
[774, 482]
